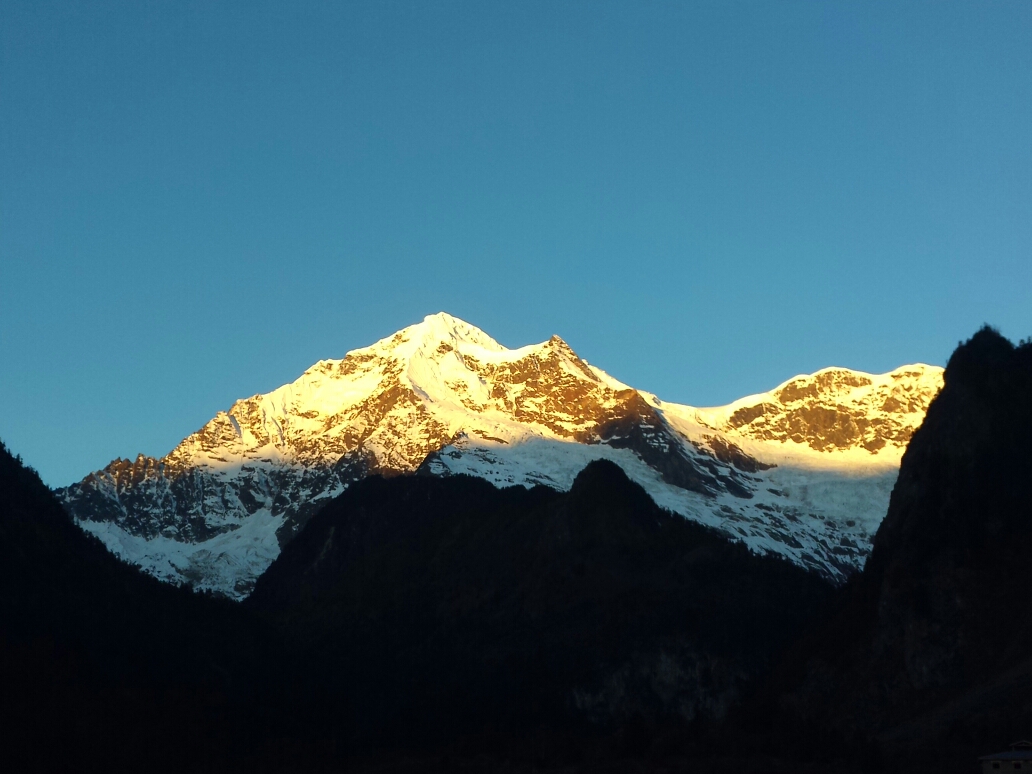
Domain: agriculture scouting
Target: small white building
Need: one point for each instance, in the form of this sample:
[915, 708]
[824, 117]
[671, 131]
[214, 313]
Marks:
[1017, 758]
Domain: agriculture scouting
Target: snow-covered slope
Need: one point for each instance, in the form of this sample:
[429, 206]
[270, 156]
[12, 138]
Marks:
[804, 470]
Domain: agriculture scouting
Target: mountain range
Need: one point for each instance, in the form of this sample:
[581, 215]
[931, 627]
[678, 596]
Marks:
[438, 621]
[803, 471]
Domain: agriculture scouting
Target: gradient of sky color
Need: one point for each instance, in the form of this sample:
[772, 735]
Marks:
[198, 200]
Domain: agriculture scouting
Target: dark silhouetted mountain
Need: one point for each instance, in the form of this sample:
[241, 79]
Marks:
[412, 613]
[101, 666]
[928, 661]
[448, 606]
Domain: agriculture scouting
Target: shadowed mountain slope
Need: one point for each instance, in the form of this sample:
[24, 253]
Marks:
[452, 606]
[929, 657]
[101, 666]
[412, 612]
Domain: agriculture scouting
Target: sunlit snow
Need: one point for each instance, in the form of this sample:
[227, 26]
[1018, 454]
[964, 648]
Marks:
[519, 417]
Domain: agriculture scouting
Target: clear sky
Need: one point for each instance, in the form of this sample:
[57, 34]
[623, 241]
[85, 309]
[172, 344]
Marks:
[199, 200]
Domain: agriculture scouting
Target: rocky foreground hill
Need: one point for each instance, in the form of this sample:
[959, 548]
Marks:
[803, 471]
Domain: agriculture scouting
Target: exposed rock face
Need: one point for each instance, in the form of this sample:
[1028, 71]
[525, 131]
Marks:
[838, 409]
[803, 471]
[931, 650]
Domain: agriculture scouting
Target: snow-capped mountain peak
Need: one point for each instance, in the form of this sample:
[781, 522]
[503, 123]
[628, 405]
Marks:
[427, 336]
[442, 397]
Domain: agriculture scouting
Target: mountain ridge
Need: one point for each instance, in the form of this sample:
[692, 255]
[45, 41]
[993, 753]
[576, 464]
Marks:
[443, 397]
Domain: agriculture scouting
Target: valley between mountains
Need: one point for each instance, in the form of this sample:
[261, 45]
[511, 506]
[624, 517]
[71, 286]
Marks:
[804, 471]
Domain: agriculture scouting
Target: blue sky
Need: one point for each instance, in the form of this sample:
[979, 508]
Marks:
[199, 200]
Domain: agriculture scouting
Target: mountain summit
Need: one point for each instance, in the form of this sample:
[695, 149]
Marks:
[804, 471]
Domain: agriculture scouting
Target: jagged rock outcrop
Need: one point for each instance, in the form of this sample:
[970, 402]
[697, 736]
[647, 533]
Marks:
[864, 411]
[803, 471]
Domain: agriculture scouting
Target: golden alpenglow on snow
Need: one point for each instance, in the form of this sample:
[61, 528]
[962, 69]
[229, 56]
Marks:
[804, 470]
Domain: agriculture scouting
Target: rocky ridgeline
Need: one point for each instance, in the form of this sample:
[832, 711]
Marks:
[804, 471]
[838, 409]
